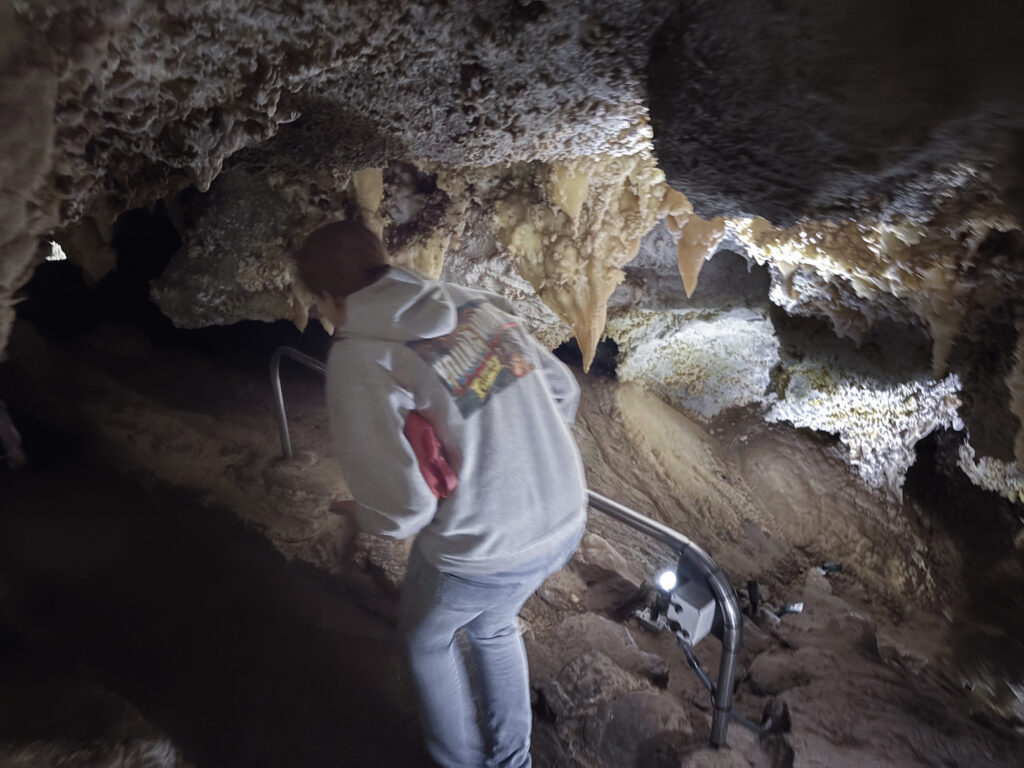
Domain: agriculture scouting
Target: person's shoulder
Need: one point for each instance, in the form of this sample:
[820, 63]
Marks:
[349, 350]
[462, 293]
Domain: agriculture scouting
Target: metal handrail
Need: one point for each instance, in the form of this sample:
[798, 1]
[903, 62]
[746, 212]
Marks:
[718, 582]
[275, 382]
[721, 588]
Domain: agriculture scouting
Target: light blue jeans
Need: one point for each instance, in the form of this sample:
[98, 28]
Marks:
[434, 606]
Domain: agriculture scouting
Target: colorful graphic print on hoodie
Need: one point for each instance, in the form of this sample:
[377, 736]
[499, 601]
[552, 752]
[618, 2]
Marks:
[484, 354]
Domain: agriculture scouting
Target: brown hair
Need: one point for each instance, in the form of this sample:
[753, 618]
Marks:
[340, 258]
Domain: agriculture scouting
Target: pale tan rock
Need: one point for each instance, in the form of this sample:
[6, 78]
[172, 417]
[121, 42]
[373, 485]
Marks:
[696, 239]
[597, 559]
[716, 758]
[563, 591]
[369, 190]
[572, 227]
[581, 633]
[921, 264]
[639, 726]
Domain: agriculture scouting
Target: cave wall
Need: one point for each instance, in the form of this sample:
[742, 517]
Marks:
[115, 105]
[796, 109]
[864, 154]
[868, 154]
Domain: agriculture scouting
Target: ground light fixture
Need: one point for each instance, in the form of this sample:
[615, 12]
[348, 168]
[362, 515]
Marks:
[685, 605]
[667, 581]
[693, 600]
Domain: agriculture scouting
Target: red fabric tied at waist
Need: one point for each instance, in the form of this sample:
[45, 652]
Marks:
[435, 468]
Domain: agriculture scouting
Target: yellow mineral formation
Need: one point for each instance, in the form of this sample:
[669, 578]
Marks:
[569, 186]
[924, 265]
[369, 188]
[942, 304]
[425, 252]
[696, 239]
[572, 226]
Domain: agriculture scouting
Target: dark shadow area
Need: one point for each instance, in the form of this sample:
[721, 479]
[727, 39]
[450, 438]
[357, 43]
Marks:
[983, 357]
[989, 626]
[796, 111]
[728, 278]
[652, 281]
[240, 657]
[887, 348]
[606, 357]
[117, 594]
[65, 310]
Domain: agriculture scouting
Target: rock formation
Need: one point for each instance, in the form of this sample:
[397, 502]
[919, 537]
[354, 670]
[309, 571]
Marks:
[866, 154]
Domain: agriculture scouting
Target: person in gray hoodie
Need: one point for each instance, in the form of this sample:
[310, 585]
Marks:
[501, 406]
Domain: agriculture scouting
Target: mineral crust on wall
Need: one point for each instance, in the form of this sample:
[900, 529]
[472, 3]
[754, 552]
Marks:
[869, 153]
[871, 166]
[949, 274]
[934, 270]
[701, 360]
[109, 106]
[943, 278]
[838, 110]
[571, 230]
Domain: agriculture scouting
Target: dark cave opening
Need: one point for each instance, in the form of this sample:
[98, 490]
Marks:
[989, 622]
[60, 303]
[118, 590]
[128, 603]
[64, 309]
[605, 358]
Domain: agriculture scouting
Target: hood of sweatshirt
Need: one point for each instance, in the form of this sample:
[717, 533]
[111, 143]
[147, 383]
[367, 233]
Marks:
[401, 306]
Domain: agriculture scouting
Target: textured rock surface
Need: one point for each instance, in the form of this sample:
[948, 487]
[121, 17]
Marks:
[507, 145]
[878, 420]
[704, 361]
[27, 210]
[938, 272]
[567, 227]
[881, 284]
[113, 105]
[769, 504]
[478, 260]
[474, 136]
[574, 225]
[954, 275]
[813, 110]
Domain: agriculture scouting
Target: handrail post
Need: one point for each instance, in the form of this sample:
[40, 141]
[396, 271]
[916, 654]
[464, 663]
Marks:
[275, 383]
[718, 583]
[725, 598]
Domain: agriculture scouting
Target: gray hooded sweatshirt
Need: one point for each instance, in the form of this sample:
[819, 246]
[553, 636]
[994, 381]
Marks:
[502, 408]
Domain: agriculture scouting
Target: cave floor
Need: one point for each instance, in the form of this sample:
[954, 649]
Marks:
[236, 656]
[160, 550]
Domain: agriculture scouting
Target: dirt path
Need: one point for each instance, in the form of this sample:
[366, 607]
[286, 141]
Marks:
[241, 658]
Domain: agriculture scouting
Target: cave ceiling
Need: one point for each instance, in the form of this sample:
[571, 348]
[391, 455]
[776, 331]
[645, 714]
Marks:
[796, 109]
[867, 155]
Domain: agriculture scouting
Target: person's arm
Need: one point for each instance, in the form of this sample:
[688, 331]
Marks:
[367, 416]
[561, 382]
